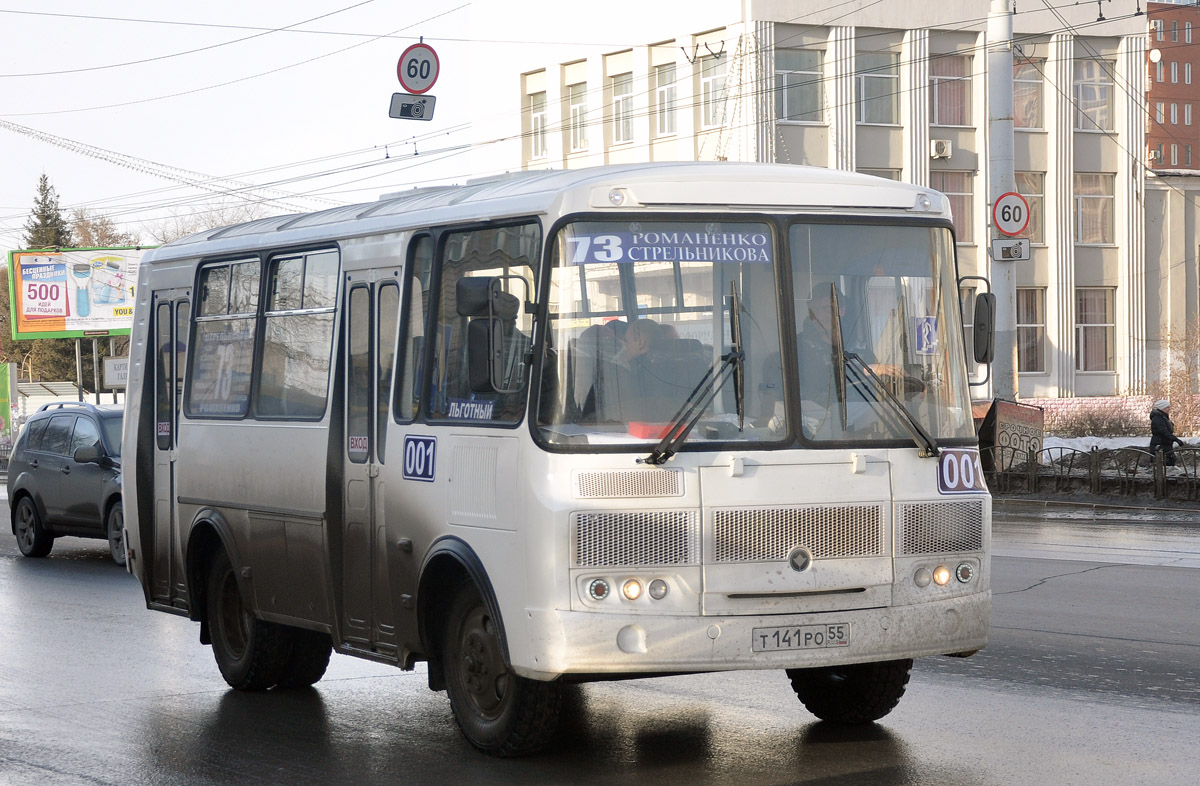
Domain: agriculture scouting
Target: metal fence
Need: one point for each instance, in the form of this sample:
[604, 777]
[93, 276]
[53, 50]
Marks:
[1123, 472]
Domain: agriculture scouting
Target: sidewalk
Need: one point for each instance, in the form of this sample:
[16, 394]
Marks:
[1030, 507]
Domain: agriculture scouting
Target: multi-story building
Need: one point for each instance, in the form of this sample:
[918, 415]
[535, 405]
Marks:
[899, 90]
[1173, 86]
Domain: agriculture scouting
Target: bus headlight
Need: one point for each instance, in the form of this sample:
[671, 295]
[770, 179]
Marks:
[964, 572]
[598, 589]
[658, 589]
[941, 575]
[632, 589]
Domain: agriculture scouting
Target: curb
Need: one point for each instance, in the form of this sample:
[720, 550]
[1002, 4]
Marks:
[1107, 511]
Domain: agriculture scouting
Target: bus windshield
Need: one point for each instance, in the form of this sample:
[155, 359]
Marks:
[640, 326]
[885, 296]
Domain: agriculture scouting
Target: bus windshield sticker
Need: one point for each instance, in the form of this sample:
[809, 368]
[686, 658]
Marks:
[959, 472]
[471, 409]
[926, 335]
[667, 246]
[420, 457]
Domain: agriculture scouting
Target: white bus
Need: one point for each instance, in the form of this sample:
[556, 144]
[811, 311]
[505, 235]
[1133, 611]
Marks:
[555, 427]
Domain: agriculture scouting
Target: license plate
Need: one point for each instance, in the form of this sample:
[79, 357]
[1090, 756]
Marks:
[801, 637]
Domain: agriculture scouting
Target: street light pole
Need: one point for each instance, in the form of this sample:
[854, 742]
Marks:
[1001, 180]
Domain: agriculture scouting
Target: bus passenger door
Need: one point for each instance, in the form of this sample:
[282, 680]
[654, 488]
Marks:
[368, 619]
[172, 312]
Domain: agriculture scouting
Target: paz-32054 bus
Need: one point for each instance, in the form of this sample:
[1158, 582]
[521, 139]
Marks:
[564, 426]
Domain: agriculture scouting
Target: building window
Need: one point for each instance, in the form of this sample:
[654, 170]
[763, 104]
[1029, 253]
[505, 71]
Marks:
[1174, 155]
[713, 91]
[1093, 208]
[664, 99]
[1094, 95]
[1187, 73]
[950, 91]
[957, 186]
[1174, 113]
[1160, 114]
[1027, 93]
[1187, 114]
[1187, 32]
[798, 93]
[1174, 73]
[1031, 330]
[1187, 156]
[622, 108]
[1161, 71]
[1031, 185]
[886, 174]
[878, 83]
[1158, 29]
[1175, 30]
[577, 100]
[537, 125]
[1158, 156]
[1095, 330]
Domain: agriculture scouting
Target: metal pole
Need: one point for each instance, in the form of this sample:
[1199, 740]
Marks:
[112, 353]
[79, 367]
[1001, 181]
[96, 367]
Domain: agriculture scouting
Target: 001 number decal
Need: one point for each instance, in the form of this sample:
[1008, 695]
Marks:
[959, 472]
[420, 457]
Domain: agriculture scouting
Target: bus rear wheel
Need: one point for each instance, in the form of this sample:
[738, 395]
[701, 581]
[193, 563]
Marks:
[499, 712]
[250, 653]
[307, 659]
[854, 694]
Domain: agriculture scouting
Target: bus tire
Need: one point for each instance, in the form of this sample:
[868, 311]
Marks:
[307, 659]
[32, 538]
[249, 652]
[853, 694]
[498, 712]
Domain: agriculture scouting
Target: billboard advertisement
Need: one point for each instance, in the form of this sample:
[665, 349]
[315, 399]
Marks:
[72, 293]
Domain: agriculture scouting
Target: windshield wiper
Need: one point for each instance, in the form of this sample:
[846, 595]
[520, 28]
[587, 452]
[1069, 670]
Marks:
[842, 361]
[707, 389]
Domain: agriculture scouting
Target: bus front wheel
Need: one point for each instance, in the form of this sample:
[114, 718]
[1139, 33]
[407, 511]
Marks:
[853, 694]
[498, 712]
[251, 653]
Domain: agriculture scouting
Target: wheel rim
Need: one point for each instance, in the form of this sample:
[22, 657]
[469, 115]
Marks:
[26, 525]
[116, 533]
[485, 676]
[232, 617]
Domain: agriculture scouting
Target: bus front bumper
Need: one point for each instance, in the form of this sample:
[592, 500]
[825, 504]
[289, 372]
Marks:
[590, 643]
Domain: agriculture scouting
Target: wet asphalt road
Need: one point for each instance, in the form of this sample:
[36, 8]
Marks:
[1092, 677]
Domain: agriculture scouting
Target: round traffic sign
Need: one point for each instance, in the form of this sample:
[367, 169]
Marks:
[1010, 214]
[418, 68]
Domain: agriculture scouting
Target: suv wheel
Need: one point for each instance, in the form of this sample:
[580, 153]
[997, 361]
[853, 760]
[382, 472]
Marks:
[32, 537]
[115, 528]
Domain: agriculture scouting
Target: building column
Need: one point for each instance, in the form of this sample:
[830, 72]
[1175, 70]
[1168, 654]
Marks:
[764, 90]
[914, 87]
[1060, 209]
[839, 97]
[687, 109]
[1130, 215]
[643, 114]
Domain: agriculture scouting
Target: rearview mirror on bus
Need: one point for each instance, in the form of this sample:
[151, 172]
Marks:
[496, 348]
[985, 327]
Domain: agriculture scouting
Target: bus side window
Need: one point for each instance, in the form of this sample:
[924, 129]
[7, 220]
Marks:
[388, 322]
[412, 337]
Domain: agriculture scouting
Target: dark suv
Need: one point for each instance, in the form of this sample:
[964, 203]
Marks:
[64, 478]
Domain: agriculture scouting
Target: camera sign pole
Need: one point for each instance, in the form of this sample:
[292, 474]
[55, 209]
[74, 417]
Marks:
[418, 70]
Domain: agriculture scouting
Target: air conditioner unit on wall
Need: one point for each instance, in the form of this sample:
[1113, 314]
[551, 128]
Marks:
[1154, 155]
[940, 148]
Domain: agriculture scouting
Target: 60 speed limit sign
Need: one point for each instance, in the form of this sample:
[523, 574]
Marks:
[418, 68]
[1010, 214]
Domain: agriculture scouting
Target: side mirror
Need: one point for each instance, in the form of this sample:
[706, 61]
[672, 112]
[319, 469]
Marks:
[495, 348]
[985, 327]
[88, 454]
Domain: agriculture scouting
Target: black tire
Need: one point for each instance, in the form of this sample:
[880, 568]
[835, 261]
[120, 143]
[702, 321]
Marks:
[307, 659]
[32, 538]
[250, 653]
[854, 694]
[498, 712]
[114, 528]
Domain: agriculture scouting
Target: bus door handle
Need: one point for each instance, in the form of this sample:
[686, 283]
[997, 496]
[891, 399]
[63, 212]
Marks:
[373, 470]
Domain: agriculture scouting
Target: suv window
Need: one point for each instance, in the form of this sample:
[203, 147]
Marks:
[86, 434]
[36, 429]
[58, 435]
[112, 434]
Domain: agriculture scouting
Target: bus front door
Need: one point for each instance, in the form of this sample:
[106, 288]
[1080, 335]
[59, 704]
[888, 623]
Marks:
[367, 615]
[172, 312]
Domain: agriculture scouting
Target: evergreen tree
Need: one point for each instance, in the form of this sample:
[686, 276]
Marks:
[47, 227]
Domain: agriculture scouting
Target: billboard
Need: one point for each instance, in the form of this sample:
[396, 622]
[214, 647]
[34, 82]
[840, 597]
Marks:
[72, 293]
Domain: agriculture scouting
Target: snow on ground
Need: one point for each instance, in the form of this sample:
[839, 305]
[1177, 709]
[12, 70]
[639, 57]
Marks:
[1103, 443]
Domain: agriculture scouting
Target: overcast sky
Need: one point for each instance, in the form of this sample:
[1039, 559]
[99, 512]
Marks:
[217, 89]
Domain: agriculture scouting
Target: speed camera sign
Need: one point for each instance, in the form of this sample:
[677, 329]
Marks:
[1010, 214]
[418, 68]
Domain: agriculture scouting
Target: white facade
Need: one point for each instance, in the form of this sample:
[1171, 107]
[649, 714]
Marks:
[899, 89]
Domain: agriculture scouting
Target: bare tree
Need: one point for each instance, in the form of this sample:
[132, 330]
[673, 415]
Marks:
[1181, 377]
[98, 231]
[182, 224]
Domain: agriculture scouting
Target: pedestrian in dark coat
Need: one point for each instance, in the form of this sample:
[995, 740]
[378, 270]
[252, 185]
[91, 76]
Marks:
[1162, 431]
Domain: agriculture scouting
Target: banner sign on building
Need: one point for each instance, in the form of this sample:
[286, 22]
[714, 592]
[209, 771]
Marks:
[73, 292]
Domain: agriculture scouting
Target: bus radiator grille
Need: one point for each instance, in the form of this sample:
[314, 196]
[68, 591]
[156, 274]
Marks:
[620, 484]
[939, 527]
[636, 538]
[770, 534]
